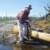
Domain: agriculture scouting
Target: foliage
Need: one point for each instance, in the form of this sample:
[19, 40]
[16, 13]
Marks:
[6, 19]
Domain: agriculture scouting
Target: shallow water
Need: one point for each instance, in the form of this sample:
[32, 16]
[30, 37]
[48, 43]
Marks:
[24, 47]
[31, 47]
[5, 47]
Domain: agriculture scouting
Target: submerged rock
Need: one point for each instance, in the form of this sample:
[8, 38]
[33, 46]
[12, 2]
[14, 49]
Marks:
[11, 39]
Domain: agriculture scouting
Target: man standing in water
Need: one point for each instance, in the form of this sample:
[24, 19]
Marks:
[22, 21]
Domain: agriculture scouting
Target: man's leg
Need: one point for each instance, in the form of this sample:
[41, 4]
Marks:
[19, 27]
[23, 28]
[23, 32]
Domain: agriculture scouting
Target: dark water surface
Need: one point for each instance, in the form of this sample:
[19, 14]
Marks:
[5, 47]
[31, 47]
[24, 47]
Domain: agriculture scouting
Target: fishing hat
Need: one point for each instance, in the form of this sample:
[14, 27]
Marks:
[29, 6]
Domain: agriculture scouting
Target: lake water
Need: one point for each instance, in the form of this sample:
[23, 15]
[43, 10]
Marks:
[5, 47]
[24, 47]
[31, 47]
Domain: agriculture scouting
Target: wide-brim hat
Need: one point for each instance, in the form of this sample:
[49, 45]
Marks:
[29, 6]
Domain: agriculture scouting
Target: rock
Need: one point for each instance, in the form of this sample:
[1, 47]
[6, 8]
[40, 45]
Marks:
[11, 39]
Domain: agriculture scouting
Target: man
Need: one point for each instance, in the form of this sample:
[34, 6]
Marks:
[22, 21]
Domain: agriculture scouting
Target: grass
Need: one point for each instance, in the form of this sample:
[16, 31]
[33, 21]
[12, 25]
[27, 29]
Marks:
[43, 24]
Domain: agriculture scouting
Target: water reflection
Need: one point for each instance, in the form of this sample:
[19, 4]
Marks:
[5, 47]
[31, 47]
[23, 47]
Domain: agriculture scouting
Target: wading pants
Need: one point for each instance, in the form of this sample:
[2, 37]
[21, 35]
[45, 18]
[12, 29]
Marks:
[22, 30]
